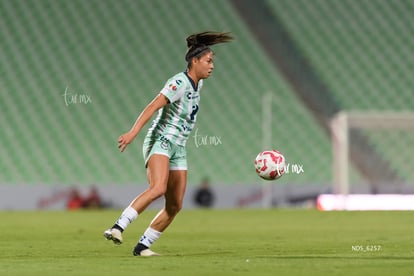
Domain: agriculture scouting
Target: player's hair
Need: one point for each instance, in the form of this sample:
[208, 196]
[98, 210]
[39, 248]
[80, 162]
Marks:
[199, 43]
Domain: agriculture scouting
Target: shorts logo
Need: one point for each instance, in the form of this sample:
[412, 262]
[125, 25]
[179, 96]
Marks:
[164, 145]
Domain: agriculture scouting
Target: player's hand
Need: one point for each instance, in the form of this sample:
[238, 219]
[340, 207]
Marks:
[124, 140]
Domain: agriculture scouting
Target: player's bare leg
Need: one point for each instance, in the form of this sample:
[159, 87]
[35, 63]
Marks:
[157, 173]
[174, 196]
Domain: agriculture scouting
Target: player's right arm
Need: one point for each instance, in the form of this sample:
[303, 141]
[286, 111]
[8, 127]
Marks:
[125, 139]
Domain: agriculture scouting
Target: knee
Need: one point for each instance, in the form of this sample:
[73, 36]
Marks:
[173, 209]
[156, 192]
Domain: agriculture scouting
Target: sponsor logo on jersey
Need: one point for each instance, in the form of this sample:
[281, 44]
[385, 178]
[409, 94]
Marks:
[192, 95]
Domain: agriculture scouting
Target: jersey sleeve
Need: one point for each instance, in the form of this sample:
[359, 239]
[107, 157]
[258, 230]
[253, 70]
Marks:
[174, 89]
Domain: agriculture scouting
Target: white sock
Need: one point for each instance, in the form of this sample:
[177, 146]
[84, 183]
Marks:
[127, 216]
[149, 237]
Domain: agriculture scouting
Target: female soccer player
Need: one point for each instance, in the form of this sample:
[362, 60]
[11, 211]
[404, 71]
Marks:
[164, 145]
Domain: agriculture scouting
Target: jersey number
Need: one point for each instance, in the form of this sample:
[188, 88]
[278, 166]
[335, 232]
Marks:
[194, 112]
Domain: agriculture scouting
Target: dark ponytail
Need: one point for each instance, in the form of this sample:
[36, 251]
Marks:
[199, 43]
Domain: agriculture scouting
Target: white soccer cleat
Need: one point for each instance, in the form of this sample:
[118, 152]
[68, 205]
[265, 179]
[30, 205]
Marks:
[148, 253]
[114, 235]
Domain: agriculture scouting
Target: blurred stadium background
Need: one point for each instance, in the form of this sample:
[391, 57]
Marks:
[75, 74]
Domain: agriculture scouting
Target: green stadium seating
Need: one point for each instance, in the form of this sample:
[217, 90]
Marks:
[362, 50]
[115, 56]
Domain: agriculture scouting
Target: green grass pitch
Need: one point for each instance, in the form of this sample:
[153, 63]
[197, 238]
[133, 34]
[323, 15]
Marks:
[212, 242]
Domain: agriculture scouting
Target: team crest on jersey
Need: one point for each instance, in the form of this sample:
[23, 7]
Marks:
[174, 85]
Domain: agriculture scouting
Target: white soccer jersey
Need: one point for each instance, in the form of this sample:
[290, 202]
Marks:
[176, 120]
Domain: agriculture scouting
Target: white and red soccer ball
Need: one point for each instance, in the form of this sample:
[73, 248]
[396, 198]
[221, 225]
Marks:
[270, 164]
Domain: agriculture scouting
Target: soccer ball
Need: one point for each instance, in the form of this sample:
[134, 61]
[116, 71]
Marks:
[270, 164]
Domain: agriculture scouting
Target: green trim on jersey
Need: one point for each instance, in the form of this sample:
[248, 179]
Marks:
[176, 120]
